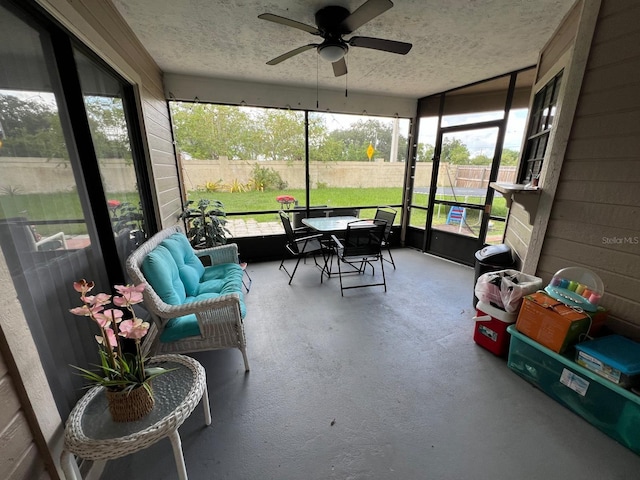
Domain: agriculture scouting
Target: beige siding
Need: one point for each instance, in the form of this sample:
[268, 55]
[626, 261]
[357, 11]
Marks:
[520, 233]
[561, 42]
[20, 458]
[595, 219]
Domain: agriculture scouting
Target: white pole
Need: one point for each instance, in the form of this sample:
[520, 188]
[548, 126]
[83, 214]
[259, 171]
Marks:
[394, 140]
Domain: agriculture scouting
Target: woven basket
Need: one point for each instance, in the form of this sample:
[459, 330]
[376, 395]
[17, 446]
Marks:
[129, 406]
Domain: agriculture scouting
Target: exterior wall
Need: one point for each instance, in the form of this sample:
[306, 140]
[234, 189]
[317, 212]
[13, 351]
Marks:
[30, 425]
[594, 220]
[337, 174]
[16, 438]
[39, 175]
[557, 55]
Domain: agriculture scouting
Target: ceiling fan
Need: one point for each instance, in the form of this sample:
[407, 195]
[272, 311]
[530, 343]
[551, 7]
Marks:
[333, 23]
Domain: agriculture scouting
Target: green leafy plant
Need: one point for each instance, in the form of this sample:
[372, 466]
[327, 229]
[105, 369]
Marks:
[206, 223]
[125, 217]
[119, 370]
[211, 186]
[236, 186]
[266, 178]
[10, 190]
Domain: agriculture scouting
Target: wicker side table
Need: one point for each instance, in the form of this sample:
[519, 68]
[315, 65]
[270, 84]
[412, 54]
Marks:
[91, 434]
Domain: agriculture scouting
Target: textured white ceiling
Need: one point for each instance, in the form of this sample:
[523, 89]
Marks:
[455, 42]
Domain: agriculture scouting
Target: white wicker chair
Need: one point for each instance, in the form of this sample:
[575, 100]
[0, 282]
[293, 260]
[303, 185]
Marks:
[219, 318]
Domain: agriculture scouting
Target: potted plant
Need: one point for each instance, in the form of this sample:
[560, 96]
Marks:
[206, 223]
[123, 374]
[128, 219]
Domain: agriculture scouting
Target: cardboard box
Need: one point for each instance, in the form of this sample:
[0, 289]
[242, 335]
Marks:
[550, 322]
[598, 319]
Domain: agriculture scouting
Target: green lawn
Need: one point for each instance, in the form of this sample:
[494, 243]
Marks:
[64, 206]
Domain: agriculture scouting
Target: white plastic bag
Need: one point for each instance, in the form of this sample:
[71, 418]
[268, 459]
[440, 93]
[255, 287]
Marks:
[506, 288]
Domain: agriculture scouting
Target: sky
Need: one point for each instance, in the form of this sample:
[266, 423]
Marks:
[479, 141]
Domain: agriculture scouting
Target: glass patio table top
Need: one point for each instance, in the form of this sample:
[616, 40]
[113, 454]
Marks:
[329, 224]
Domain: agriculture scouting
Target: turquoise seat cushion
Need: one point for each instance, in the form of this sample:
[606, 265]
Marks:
[178, 276]
[190, 267]
[187, 325]
[161, 272]
[180, 327]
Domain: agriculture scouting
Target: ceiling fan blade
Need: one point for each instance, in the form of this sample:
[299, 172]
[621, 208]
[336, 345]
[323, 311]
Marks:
[289, 23]
[364, 13]
[392, 46]
[290, 54]
[339, 67]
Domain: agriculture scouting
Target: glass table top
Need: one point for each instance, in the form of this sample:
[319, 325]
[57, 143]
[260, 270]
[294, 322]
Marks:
[170, 390]
[329, 224]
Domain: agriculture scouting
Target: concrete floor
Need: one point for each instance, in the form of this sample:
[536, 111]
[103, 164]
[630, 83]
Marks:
[375, 386]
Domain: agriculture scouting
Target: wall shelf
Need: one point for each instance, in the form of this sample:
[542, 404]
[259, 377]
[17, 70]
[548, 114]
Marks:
[525, 195]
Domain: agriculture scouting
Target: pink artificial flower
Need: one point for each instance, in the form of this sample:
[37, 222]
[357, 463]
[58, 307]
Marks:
[134, 329]
[99, 299]
[131, 294]
[82, 286]
[106, 317]
[110, 335]
[87, 310]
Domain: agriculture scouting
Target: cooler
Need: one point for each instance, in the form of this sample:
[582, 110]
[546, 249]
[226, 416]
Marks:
[491, 328]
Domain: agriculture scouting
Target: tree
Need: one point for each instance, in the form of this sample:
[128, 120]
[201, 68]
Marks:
[31, 128]
[280, 134]
[424, 152]
[509, 157]
[357, 138]
[454, 151]
[208, 131]
[108, 127]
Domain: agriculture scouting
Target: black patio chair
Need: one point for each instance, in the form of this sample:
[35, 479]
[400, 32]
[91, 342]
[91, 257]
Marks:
[387, 214]
[361, 247]
[301, 247]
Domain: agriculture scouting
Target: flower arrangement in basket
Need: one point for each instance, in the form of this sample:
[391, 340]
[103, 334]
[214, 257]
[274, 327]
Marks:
[123, 374]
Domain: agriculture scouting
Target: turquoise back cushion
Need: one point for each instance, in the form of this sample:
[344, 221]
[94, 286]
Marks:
[161, 272]
[190, 267]
[217, 280]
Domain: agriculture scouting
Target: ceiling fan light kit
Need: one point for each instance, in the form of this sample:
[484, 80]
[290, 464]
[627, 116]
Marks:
[332, 52]
[333, 22]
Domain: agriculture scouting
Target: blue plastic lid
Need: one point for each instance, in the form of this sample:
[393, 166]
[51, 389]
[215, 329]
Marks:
[616, 351]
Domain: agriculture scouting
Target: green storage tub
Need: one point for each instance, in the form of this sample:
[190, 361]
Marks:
[607, 406]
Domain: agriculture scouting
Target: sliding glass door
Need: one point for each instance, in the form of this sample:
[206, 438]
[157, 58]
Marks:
[70, 201]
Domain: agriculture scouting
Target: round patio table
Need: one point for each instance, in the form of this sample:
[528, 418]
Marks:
[90, 433]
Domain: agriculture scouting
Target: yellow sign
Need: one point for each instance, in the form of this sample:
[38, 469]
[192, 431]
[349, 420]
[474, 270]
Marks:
[370, 151]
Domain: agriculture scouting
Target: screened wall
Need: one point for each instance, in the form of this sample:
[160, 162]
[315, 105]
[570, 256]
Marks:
[257, 161]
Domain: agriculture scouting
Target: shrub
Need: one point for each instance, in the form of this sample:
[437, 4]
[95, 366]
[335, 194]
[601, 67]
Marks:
[266, 178]
[211, 186]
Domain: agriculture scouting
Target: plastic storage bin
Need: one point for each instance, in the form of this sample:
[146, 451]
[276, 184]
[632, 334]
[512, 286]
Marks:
[609, 407]
[491, 328]
[613, 357]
